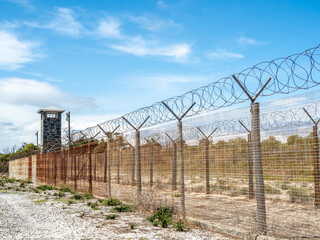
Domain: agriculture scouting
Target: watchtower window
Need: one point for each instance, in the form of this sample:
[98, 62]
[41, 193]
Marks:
[51, 115]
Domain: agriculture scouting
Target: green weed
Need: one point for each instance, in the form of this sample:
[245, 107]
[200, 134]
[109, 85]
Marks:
[122, 208]
[77, 197]
[271, 190]
[180, 226]
[111, 216]
[161, 217]
[46, 187]
[59, 194]
[112, 202]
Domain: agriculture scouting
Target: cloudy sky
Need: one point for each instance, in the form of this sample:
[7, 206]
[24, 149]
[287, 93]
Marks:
[101, 59]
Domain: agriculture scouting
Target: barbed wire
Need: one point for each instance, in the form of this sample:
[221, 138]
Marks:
[274, 120]
[289, 74]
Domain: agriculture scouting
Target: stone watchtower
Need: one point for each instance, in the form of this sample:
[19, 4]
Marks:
[50, 125]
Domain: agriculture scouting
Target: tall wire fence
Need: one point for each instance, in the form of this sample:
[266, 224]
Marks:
[241, 171]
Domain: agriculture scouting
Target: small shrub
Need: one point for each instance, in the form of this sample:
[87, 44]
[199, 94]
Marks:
[23, 185]
[176, 195]
[180, 226]
[161, 217]
[65, 189]
[36, 190]
[122, 208]
[132, 225]
[300, 195]
[243, 191]
[111, 216]
[100, 200]
[18, 189]
[284, 186]
[82, 214]
[77, 197]
[112, 202]
[88, 196]
[271, 190]
[2, 183]
[46, 187]
[221, 185]
[71, 202]
[8, 188]
[59, 194]
[9, 180]
[94, 206]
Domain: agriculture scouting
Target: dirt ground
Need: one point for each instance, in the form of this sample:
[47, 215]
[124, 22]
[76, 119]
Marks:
[230, 213]
[227, 209]
[44, 214]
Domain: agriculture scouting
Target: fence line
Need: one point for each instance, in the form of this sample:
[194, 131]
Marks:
[239, 182]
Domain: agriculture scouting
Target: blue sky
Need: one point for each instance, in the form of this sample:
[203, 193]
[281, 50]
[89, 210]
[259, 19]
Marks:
[101, 59]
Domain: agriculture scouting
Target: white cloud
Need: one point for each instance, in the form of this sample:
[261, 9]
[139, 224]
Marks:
[23, 3]
[167, 78]
[250, 41]
[164, 85]
[31, 92]
[152, 23]
[63, 22]
[161, 4]
[140, 47]
[109, 28]
[14, 52]
[222, 54]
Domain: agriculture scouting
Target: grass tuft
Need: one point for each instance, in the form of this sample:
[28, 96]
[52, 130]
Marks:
[112, 216]
[162, 217]
[112, 202]
[122, 208]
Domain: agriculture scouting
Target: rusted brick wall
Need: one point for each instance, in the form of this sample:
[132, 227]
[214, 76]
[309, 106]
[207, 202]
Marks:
[23, 168]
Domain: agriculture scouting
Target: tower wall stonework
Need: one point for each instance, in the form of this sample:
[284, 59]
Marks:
[51, 127]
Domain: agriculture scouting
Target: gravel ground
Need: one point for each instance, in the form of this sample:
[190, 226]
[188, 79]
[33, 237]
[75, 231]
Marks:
[26, 215]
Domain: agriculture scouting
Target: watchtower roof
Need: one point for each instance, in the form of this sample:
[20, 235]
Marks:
[51, 109]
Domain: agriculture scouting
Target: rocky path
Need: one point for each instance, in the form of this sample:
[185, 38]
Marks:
[22, 216]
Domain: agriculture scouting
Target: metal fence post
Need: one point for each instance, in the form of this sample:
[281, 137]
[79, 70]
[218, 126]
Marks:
[174, 167]
[95, 166]
[64, 167]
[257, 158]
[207, 166]
[316, 166]
[250, 163]
[315, 159]
[105, 167]
[109, 136]
[173, 164]
[109, 166]
[138, 161]
[133, 164]
[180, 140]
[118, 163]
[138, 155]
[90, 168]
[182, 198]
[151, 165]
[206, 144]
[74, 169]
